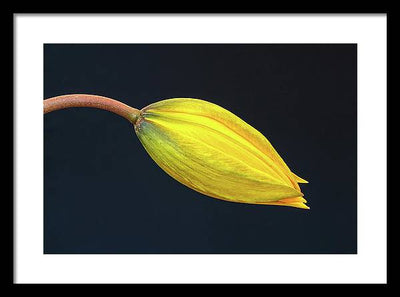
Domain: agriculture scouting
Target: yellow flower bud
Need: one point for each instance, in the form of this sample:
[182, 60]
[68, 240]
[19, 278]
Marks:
[214, 152]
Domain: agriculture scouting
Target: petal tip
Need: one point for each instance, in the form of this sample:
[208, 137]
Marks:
[299, 179]
[297, 202]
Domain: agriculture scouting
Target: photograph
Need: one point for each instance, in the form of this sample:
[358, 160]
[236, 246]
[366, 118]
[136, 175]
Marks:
[200, 148]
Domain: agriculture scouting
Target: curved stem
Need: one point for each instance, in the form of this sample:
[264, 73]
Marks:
[94, 101]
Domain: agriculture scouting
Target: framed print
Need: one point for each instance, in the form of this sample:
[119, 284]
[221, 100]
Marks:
[246, 157]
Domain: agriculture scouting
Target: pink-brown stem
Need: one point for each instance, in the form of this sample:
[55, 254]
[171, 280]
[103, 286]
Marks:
[94, 101]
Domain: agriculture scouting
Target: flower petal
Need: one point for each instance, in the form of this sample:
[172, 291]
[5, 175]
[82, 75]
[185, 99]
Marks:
[212, 151]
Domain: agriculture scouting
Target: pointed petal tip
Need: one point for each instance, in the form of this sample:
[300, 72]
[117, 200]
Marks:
[297, 202]
[299, 205]
[305, 206]
[299, 179]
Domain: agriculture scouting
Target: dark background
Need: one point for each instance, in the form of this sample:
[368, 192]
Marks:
[104, 194]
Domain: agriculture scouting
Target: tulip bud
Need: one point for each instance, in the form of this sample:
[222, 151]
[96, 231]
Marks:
[214, 152]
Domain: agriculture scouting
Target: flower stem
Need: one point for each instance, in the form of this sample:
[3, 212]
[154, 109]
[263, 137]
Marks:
[94, 101]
